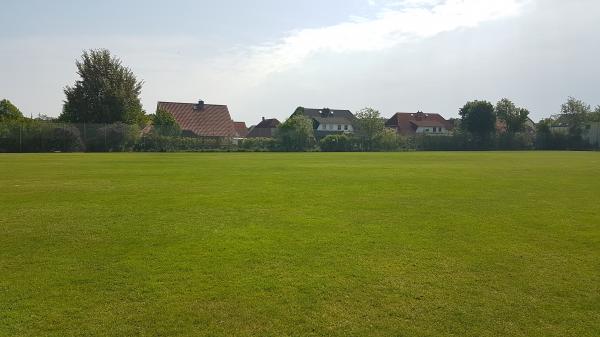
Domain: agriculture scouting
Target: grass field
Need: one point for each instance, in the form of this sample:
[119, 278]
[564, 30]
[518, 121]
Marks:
[404, 244]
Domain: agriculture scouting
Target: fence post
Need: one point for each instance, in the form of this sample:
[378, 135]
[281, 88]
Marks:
[64, 149]
[105, 144]
[21, 137]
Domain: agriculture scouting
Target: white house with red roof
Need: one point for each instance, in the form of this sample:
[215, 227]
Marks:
[419, 123]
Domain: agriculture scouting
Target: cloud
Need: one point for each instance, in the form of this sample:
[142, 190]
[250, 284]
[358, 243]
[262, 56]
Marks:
[397, 22]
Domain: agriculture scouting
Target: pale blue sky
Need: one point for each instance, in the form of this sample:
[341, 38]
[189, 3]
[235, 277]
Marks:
[264, 58]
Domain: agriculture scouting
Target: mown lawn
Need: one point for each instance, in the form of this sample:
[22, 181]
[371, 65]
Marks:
[404, 244]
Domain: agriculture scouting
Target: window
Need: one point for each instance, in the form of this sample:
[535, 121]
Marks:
[434, 130]
[346, 127]
[339, 127]
[324, 127]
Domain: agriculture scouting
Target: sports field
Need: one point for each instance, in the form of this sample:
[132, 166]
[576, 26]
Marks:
[320, 244]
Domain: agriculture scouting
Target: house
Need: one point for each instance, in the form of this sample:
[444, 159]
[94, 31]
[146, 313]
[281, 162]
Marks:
[420, 123]
[265, 129]
[240, 129]
[202, 120]
[592, 133]
[528, 126]
[329, 121]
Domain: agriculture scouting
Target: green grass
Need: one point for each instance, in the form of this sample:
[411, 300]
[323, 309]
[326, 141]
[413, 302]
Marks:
[405, 244]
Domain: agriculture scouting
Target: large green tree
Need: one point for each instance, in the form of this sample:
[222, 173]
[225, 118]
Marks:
[513, 117]
[299, 111]
[595, 116]
[8, 111]
[296, 134]
[165, 124]
[369, 126]
[479, 119]
[107, 92]
[575, 113]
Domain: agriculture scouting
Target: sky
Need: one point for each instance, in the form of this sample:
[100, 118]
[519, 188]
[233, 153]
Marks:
[263, 58]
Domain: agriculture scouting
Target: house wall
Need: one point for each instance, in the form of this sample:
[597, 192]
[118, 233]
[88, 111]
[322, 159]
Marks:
[592, 135]
[429, 130]
[334, 128]
[560, 129]
[591, 132]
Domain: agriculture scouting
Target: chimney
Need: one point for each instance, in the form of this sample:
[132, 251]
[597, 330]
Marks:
[420, 115]
[263, 119]
[200, 105]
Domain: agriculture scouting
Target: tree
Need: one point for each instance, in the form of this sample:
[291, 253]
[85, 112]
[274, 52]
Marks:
[513, 117]
[546, 139]
[8, 111]
[479, 119]
[595, 116]
[299, 111]
[387, 140]
[107, 92]
[575, 113]
[165, 124]
[296, 134]
[369, 126]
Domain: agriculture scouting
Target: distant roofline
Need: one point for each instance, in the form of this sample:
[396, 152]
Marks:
[191, 103]
[414, 113]
[327, 108]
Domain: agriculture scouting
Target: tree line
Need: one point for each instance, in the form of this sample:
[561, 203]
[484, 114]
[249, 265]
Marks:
[107, 94]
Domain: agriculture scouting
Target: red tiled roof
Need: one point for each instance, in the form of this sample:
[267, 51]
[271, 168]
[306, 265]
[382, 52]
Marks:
[407, 123]
[426, 123]
[241, 129]
[211, 121]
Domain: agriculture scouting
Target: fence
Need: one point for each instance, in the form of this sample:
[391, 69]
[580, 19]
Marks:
[44, 136]
[49, 136]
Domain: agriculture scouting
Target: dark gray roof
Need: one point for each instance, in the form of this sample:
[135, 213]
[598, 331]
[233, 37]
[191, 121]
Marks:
[328, 113]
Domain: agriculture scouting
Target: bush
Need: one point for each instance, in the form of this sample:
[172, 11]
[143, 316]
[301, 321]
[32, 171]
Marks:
[296, 134]
[336, 143]
[165, 124]
[387, 140]
[56, 137]
[36, 136]
[515, 141]
[456, 142]
[258, 144]
[117, 137]
[157, 143]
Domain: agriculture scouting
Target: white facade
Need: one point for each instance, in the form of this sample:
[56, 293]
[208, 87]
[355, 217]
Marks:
[336, 128]
[432, 130]
[592, 133]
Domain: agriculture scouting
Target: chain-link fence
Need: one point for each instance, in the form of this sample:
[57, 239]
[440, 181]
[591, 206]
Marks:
[50, 136]
[43, 136]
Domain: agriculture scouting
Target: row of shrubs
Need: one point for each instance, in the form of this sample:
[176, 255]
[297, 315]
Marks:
[39, 136]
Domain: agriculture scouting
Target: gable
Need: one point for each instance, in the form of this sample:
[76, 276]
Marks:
[210, 121]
